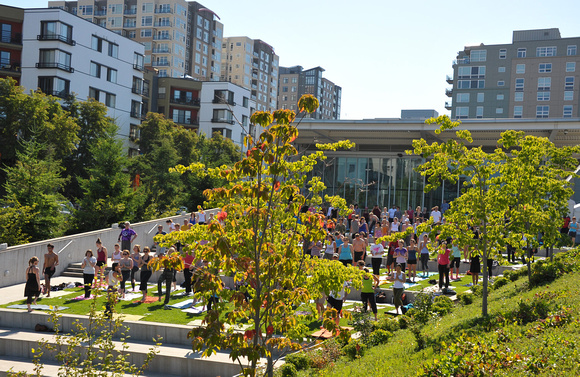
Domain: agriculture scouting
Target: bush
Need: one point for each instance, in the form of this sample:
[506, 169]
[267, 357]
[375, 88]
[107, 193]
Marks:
[354, 349]
[298, 359]
[511, 275]
[477, 290]
[543, 272]
[379, 336]
[404, 321]
[321, 357]
[500, 282]
[442, 305]
[289, 370]
[465, 298]
[387, 324]
[531, 310]
[422, 307]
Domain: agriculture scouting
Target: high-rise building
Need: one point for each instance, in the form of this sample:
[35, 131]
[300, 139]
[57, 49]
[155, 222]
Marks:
[63, 54]
[252, 64]
[295, 82]
[11, 20]
[535, 76]
[180, 37]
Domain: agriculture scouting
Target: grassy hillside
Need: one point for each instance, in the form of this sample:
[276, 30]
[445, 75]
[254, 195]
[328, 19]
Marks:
[532, 329]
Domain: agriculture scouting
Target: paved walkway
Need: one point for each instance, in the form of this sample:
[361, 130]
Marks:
[16, 292]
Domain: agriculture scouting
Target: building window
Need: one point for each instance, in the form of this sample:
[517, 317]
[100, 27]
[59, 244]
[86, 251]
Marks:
[223, 96]
[569, 83]
[95, 70]
[545, 51]
[245, 102]
[499, 97]
[567, 113]
[543, 96]
[480, 97]
[97, 43]
[571, 67]
[519, 85]
[571, 50]
[518, 110]
[477, 72]
[502, 53]
[112, 75]
[542, 111]
[462, 97]
[568, 95]
[468, 84]
[113, 50]
[110, 99]
[147, 21]
[479, 112]
[134, 132]
[478, 55]
[501, 83]
[544, 67]
[135, 109]
[520, 68]
[544, 83]
[56, 30]
[521, 52]
[55, 59]
[462, 112]
[501, 69]
[499, 110]
[519, 96]
[138, 61]
[54, 86]
[222, 116]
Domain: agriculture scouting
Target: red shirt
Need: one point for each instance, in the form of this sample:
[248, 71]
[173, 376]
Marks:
[443, 258]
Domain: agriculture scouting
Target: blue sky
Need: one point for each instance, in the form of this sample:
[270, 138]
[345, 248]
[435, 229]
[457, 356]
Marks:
[386, 55]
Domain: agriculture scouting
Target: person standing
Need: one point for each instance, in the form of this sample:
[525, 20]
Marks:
[330, 247]
[573, 230]
[424, 255]
[49, 267]
[377, 251]
[145, 274]
[167, 277]
[367, 294]
[346, 253]
[135, 256]
[360, 248]
[456, 261]
[127, 236]
[412, 260]
[159, 250]
[398, 277]
[201, 217]
[32, 287]
[126, 265]
[88, 267]
[187, 272]
[102, 257]
[436, 215]
[444, 206]
[401, 254]
[443, 265]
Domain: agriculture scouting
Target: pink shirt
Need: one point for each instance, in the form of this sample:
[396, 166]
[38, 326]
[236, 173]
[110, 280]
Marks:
[443, 258]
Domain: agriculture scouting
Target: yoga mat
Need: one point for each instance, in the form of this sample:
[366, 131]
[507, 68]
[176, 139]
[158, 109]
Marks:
[182, 305]
[193, 310]
[82, 297]
[38, 307]
[131, 296]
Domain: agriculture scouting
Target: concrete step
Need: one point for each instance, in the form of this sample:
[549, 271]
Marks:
[171, 360]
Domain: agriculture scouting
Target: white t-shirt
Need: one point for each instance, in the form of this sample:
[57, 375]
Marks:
[330, 249]
[398, 283]
[377, 250]
[392, 212]
[436, 215]
[201, 217]
[88, 268]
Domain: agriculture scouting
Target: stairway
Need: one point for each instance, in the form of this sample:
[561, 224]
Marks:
[74, 270]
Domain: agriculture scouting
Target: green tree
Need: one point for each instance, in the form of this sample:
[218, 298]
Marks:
[35, 182]
[256, 239]
[13, 219]
[107, 196]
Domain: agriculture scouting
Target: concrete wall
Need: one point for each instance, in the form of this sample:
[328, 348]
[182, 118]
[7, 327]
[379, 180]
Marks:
[70, 249]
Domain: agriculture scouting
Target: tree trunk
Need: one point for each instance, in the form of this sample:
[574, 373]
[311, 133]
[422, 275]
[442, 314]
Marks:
[528, 262]
[551, 253]
[485, 279]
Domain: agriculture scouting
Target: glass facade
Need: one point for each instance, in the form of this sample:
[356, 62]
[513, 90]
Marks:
[382, 181]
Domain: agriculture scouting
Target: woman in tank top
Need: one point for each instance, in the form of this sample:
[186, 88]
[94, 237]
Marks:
[102, 257]
[346, 253]
[135, 256]
[126, 265]
[145, 272]
[117, 254]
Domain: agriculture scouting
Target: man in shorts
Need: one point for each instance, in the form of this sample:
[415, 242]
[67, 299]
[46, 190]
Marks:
[49, 267]
[360, 248]
[335, 299]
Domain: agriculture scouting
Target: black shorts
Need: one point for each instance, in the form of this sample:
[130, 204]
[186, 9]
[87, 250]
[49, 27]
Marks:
[455, 262]
[358, 255]
[49, 271]
[336, 304]
[389, 259]
[412, 261]
[101, 263]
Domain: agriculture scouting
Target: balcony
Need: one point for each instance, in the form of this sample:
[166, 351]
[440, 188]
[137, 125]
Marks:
[449, 92]
[64, 67]
[184, 120]
[60, 93]
[163, 11]
[130, 25]
[222, 120]
[140, 91]
[100, 13]
[7, 65]
[464, 60]
[162, 24]
[159, 50]
[130, 11]
[188, 102]
[449, 79]
[160, 64]
[223, 101]
[448, 105]
[138, 67]
[9, 37]
[137, 114]
[162, 37]
[56, 37]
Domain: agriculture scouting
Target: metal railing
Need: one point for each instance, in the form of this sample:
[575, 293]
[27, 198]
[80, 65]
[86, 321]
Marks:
[56, 37]
[9, 37]
[64, 67]
[189, 102]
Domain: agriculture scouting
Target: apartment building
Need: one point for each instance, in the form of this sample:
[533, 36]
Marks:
[11, 20]
[252, 64]
[180, 37]
[535, 76]
[179, 100]
[64, 54]
[295, 82]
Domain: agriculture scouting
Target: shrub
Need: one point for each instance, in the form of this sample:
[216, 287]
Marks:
[442, 305]
[531, 310]
[477, 290]
[387, 324]
[419, 337]
[543, 272]
[379, 336]
[329, 352]
[404, 321]
[298, 359]
[465, 298]
[289, 370]
[422, 307]
[500, 282]
[361, 322]
[511, 275]
[354, 349]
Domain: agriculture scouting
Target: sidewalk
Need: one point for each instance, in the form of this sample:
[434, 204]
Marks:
[16, 292]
